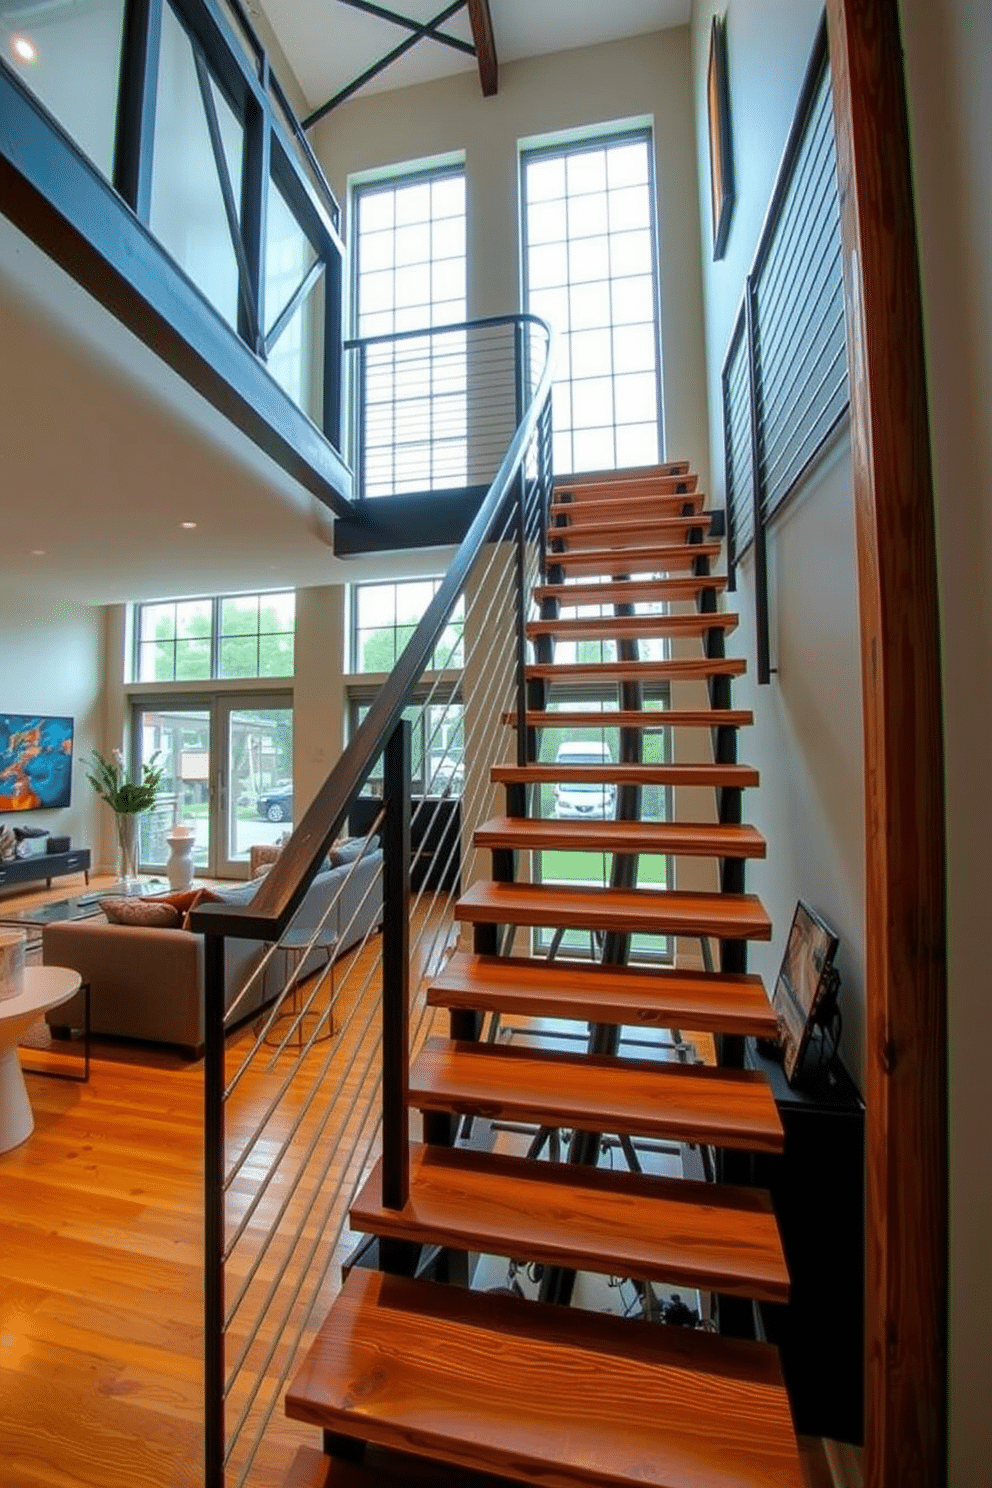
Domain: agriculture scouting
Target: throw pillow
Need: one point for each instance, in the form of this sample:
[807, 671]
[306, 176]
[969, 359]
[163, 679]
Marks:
[347, 849]
[144, 912]
[200, 896]
[8, 843]
[180, 899]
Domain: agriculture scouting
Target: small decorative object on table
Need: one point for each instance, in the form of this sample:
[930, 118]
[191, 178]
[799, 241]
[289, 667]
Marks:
[805, 993]
[127, 798]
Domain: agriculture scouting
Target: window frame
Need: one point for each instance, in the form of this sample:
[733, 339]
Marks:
[352, 660]
[577, 145]
[216, 637]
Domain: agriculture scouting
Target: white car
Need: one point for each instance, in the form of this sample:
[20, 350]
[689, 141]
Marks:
[577, 799]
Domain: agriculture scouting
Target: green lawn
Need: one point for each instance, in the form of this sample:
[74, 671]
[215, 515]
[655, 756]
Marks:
[587, 867]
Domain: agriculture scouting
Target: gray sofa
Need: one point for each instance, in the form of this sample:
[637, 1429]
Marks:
[148, 983]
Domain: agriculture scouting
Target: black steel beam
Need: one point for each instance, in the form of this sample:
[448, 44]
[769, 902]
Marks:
[427, 30]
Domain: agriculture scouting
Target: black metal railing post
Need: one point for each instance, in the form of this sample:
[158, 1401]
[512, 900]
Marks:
[360, 453]
[758, 539]
[396, 969]
[520, 402]
[213, 1212]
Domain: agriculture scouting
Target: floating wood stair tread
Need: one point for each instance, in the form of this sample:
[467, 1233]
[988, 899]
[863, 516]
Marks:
[640, 529]
[547, 1395]
[647, 911]
[694, 669]
[737, 777]
[680, 1102]
[662, 478]
[634, 996]
[633, 560]
[614, 1223]
[629, 591]
[692, 839]
[633, 627]
[638, 502]
[647, 719]
[383, 1469]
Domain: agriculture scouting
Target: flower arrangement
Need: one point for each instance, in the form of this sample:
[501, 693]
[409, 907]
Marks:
[110, 781]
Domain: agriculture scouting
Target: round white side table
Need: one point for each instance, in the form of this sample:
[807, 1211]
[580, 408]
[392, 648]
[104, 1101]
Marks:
[179, 868]
[44, 987]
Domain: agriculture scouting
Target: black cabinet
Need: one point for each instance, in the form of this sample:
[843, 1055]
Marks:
[817, 1187]
[46, 866]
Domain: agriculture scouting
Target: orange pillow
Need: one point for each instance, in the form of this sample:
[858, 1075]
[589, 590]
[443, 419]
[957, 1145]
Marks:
[200, 896]
[181, 900]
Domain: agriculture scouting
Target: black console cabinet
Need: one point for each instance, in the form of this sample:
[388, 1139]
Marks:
[46, 866]
[817, 1187]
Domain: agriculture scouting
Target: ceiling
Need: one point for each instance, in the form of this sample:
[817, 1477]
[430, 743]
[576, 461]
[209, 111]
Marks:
[108, 452]
[328, 44]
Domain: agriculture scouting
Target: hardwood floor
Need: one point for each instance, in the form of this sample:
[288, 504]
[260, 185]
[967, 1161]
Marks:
[101, 1282]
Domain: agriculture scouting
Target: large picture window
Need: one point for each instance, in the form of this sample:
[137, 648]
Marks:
[410, 276]
[590, 269]
[196, 640]
[384, 617]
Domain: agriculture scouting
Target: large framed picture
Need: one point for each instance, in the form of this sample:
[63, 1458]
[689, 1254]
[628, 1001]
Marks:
[721, 152]
[804, 979]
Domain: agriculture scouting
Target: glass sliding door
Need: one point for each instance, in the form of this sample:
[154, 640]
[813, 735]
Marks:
[228, 774]
[256, 789]
[179, 731]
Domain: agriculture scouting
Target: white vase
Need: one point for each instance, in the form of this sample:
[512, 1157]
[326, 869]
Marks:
[180, 865]
[127, 847]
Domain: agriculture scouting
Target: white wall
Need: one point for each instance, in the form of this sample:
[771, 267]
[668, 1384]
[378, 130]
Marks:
[646, 76]
[948, 51]
[51, 661]
[806, 741]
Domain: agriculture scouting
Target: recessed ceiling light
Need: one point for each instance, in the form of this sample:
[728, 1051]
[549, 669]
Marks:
[188, 525]
[37, 552]
[24, 48]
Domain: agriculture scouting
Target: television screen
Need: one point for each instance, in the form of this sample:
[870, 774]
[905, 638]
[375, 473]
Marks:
[35, 762]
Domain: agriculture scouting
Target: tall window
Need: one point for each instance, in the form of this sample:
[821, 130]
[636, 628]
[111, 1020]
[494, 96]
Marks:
[590, 268]
[192, 640]
[384, 617]
[410, 275]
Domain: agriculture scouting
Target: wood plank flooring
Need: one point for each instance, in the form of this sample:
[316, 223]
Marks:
[101, 1282]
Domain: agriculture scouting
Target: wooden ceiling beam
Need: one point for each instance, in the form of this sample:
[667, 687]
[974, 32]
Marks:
[485, 46]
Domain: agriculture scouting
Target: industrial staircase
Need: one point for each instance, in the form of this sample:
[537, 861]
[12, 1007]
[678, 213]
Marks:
[462, 1383]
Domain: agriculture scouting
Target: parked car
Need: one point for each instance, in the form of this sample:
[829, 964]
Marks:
[584, 798]
[277, 805]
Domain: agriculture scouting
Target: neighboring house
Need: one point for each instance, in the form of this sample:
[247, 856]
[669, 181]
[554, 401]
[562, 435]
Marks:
[64, 652]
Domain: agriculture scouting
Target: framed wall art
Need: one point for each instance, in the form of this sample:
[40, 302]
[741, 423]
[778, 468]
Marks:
[721, 153]
[805, 979]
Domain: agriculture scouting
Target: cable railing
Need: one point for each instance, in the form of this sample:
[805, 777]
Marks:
[434, 409]
[785, 387]
[308, 1091]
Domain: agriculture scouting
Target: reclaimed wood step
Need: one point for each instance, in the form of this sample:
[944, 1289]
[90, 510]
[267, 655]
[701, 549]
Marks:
[683, 669]
[637, 530]
[650, 720]
[381, 1468]
[665, 477]
[629, 591]
[631, 627]
[640, 501]
[631, 996]
[617, 562]
[734, 777]
[688, 839]
[552, 1396]
[700, 1235]
[637, 911]
[678, 1102]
